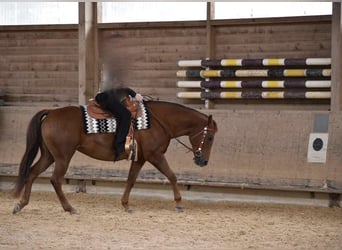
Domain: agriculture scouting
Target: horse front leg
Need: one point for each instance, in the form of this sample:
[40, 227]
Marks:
[131, 179]
[162, 165]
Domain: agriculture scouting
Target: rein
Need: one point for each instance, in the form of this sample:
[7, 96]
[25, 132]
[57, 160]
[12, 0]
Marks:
[199, 148]
[167, 132]
[186, 146]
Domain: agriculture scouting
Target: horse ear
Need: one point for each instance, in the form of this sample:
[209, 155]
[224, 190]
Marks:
[210, 119]
[211, 122]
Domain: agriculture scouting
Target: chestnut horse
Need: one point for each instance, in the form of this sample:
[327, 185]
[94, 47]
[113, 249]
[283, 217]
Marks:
[60, 132]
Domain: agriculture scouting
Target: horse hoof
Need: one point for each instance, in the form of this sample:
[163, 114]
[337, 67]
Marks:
[180, 209]
[16, 208]
[130, 211]
[73, 211]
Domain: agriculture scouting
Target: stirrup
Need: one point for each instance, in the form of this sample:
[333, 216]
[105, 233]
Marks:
[133, 151]
[131, 148]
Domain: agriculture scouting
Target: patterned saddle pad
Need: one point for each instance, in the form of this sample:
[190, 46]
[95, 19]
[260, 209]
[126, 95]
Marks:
[108, 125]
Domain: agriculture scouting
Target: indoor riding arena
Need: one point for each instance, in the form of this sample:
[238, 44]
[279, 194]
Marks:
[272, 86]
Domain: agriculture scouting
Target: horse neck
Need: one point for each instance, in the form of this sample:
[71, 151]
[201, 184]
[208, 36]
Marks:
[179, 120]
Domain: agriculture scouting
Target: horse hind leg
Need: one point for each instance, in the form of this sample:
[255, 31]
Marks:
[57, 178]
[39, 167]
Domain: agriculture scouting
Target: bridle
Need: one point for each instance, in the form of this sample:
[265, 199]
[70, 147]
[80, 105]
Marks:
[198, 151]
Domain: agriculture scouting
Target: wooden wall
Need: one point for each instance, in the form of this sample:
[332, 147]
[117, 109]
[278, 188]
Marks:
[39, 64]
[145, 55]
[295, 37]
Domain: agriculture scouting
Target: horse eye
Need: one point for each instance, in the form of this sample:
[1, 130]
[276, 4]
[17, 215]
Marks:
[210, 138]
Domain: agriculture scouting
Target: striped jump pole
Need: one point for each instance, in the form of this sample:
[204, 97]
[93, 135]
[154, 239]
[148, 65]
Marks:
[232, 73]
[297, 83]
[255, 62]
[256, 95]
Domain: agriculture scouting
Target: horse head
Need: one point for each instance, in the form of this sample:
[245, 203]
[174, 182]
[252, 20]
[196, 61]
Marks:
[202, 142]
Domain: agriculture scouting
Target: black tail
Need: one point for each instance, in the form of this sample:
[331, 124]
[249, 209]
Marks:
[33, 141]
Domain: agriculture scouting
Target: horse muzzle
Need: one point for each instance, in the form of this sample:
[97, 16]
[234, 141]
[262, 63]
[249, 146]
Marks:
[199, 159]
